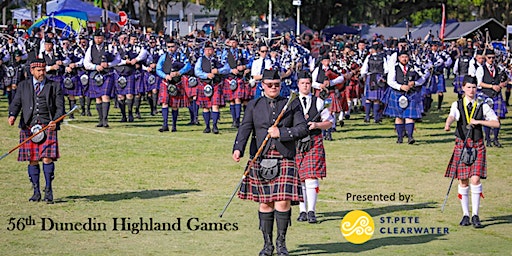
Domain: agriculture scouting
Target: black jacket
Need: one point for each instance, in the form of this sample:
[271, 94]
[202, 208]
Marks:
[257, 119]
[24, 101]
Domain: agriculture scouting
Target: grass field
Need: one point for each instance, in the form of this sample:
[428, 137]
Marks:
[132, 171]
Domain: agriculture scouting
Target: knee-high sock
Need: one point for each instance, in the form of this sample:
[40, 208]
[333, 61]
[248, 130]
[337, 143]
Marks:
[238, 112]
[266, 221]
[165, 116]
[476, 193]
[154, 96]
[215, 118]
[82, 104]
[88, 104]
[129, 104]
[367, 109]
[137, 104]
[191, 111]
[99, 108]
[410, 129]
[376, 108]
[302, 205]
[350, 105]
[48, 170]
[151, 104]
[196, 110]
[283, 220]
[33, 174]
[496, 132]
[487, 131]
[312, 188]
[507, 96]
[122, 107]
[232, 111]
[464, 199]
[206, 116]
[105, 108]
[174, 117]
[9, 97]
[400, 130]
[72, 104]
[439, 101]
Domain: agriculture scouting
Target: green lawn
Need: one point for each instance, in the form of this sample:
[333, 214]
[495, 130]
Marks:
[132, 171]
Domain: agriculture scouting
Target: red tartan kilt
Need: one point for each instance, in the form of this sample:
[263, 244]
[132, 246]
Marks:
[460, 170]
[284, 187]
[215, 99]
[339, 103]
[250, 91]
[178, 101]
[191, 91]
[31, 151]
[351, 91]
[230, 95]
[311, 164]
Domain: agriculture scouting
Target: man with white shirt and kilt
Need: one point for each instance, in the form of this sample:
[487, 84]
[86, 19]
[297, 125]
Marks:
[310, 158]
[81, 81]
[138, 76]
[40, 102]
[440, 60]
[469, 112]
[276, 191]
[461, 69]
[151, 79]
[491, 80]
[210, 72]
[171, 67]
[374, 70]
[258, 66]
[55, 61]
[99, 60]
[70, 83]
[237, 60]
[404, 96]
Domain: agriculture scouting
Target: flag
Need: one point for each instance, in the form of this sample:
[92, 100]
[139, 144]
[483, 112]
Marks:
[443, 23]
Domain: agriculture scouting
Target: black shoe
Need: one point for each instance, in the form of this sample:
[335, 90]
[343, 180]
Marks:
[367, 120]
[105, 125]
[302, 217]
[83, 113]
[488, 144]
[281, 245]
[400, 140]
[130, 118]
[207, 130]
[100, 124]
[191, 123]
[347, 117]
[268, 247]
[497, 144]
[411, 140]
[215, 130]
[311, 217]
[465, 221]
[476, 221]
[71, 116]
[173, 129]
[419, 120]
[123, 119]
[377, 121]
[48, 196]
[342, 123]
[36, 197]
[138, 116]
[233, 125]
[89, 113]
[164, 129]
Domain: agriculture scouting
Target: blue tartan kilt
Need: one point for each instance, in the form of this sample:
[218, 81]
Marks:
[377, 94]
[286, 186]
[140, 85]
[457, 84]
[285, 90]
[107, 88]
[150, 87]
[499, 107]
[56, 78]
[311, 164]
[130, 84]
[230, 95]
[437, 84]
[412, 111]
[77, 89]
[462, 171]
[207, 102]
[31, 151]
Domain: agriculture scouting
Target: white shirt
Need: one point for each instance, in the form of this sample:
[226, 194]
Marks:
[489, 114]
[395, 85]
[256, 68]
[325, 114]
[316, 85]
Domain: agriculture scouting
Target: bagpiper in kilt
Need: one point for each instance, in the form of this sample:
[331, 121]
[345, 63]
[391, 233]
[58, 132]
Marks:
[70, 86]
[491, 81]
[404, 96]
[440, 60]
[374, 70]
[461, 69]
[274, 193]
[81, 79]
[210, 72]
[13, 75]
[151, 79]
[191, 90]
[138, 76]
[234, 85]
[470, 115]
[257, 68]
[56, 61]
[310, 158]
[99, 60]
[170, 67]
[40, 102]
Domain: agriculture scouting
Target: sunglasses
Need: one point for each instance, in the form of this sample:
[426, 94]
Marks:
[273, 85]
[171, 46]
[491, 57]
[263, 51]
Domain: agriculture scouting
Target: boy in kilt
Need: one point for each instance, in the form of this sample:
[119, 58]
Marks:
[40, 102]
[468, 111]
[374, 70]
[404, 96]
[274, 193]
[171, 67]
[210, 72]
[310, 158]
[491, 80]
[99, 60]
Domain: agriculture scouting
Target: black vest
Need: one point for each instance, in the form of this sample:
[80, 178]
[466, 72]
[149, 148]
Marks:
[41, 114]
[461, 132]
[100, 56]
[405, 79]
[376, 64]
[312, 112]
[463, 65]
[488, 79]
[321, 75]
[207, 66]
